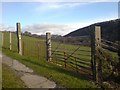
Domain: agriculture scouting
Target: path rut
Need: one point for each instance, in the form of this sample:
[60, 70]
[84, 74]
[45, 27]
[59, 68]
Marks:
[27, 75]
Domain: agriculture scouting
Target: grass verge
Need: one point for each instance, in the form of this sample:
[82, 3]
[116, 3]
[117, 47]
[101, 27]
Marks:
[62, 77]
[9, 79]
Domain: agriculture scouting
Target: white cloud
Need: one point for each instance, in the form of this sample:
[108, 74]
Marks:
[43, 28]
[62, 29]
[55, 28]
[6, 28]
[43, 7]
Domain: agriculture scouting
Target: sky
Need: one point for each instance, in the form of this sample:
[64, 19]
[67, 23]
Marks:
[55, 17]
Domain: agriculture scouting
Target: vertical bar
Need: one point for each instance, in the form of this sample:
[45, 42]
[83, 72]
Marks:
[38, 50]
[118, 29]
[93, 55]
[97, 47]
[98, 35]
[19, 38]
[48, 46]
[65, 58]
[2, 39]
[22, 47]
[96, 42]
[10, 41]
[76, 64]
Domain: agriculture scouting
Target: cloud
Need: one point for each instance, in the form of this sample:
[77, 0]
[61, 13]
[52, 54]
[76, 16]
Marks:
[59, 29]
[6, 28]
[64, 28]
[43, 7]
[54, 28]
[43, 28]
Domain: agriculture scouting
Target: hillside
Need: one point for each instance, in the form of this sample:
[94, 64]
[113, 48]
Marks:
[109, 30]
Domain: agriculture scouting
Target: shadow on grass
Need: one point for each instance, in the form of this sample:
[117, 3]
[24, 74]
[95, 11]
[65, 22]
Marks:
[58, 69]
[46, 65]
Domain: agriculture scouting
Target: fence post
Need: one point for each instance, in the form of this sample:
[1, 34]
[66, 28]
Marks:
[76, 64]
[48, 46]
[23, 45]
[10, 41]
[38, 50]
[65, 58]
[98, 60]
[96, 63]
[2, 39]
[19, 38]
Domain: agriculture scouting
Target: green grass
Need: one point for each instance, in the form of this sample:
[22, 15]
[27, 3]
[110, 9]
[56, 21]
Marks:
[10, 79]
[0, 41]
[35, 48]
[32, 46]
[59, 75]
[35, 55]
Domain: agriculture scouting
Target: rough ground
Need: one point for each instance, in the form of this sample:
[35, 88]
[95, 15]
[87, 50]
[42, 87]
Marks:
[27, 75]
[0, 71]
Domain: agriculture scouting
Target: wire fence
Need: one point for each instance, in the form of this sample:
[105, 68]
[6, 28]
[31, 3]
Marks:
[31, 47]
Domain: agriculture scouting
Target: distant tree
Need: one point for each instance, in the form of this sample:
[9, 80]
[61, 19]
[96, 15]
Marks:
[27, 33]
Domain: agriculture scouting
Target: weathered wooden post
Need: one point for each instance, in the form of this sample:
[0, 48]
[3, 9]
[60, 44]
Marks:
[2, 39]
[19, 38]
[48, 46]
[65, 58]
[37, 43]
[119, 42]
[10, 41]
[96, 40]
[98, 48]
[23, 45]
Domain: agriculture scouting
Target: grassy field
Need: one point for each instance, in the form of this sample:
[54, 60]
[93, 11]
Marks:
[34, 57]
[10, 79]
[34, 47]
[0, 41]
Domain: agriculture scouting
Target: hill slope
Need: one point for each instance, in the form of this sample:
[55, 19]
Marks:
[109, 30]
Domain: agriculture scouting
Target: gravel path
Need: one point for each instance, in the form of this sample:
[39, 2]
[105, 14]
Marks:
[27, 75]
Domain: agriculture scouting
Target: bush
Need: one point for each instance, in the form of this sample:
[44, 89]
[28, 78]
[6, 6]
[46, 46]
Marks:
[110, 66]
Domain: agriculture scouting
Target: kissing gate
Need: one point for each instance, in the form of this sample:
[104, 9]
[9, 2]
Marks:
[82, 59]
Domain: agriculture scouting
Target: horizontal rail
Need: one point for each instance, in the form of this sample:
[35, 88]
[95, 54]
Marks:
[107, 46]
[81, 59]
[57, 51]
[83, 55]
[78, 61]
[88, 71]
[85, 50]
[57, 57]
[110, 42]
[88, 68]
[62, 54]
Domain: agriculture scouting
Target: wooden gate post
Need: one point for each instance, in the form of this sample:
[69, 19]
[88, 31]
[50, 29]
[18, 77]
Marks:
[48, 46]
[96, 62]
[19, 38]
[10, 41]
